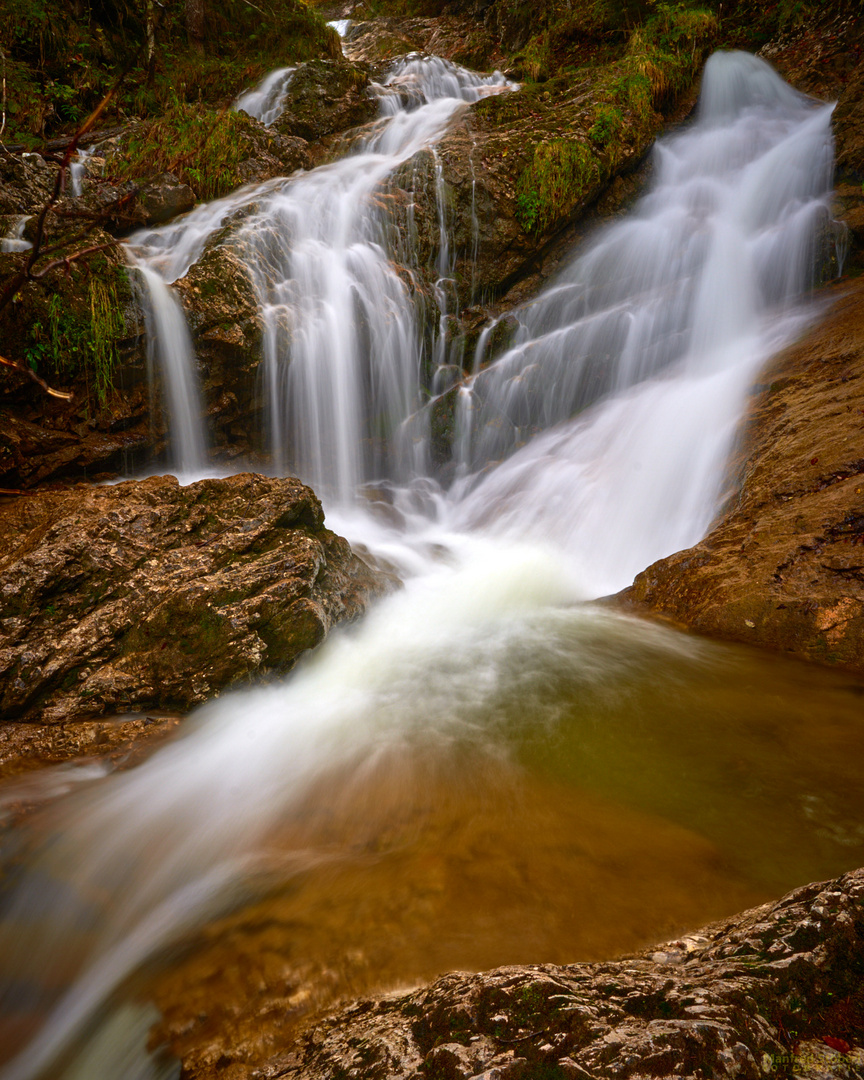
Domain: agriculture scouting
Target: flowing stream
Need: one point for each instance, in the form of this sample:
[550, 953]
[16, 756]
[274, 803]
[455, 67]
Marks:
[509, 771]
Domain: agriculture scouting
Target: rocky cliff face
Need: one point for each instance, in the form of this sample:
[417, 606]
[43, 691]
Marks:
[149, 594]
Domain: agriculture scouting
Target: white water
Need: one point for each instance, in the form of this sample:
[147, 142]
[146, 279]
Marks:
[161, 256]
[15, 241]
[78, 168]
[266, 101]
[343, 350]
[653, 335]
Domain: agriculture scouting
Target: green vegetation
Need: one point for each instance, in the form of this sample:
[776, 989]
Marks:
[607, 124]
[74, 331]
[202, 146]
[559, 176]
[63, 56]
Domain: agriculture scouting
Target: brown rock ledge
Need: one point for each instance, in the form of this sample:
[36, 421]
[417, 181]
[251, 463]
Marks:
[775, 991]
[784, 568]
[152, 595]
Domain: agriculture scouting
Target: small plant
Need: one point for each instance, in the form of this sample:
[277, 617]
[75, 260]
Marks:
[559, 176]
[607, 124]
[202, 146]
[106, 325]
[80, 342]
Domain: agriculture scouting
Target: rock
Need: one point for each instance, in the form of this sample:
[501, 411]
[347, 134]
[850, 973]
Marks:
[325, 97]
[163, 198]
[464, 40]
[784, 568]
[379, 41]
[149, 594]
[222, 312]
[774, 989]
[26, 183]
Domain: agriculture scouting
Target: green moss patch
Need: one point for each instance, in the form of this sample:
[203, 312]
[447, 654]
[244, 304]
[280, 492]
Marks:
[558, 178]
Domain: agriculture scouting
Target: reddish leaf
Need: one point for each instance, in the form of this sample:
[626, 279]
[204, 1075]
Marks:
[836, 1044]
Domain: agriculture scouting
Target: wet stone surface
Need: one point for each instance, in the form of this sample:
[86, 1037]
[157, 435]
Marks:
[152, 595]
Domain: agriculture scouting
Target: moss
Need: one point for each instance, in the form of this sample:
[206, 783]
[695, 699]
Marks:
[558, 178]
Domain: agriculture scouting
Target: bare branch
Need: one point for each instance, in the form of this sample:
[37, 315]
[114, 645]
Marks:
[67, 260]
[3, 59]
[67, 395]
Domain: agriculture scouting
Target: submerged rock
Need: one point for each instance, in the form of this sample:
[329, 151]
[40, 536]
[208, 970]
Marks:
[772, 991]
[785, 567]
[149, 594]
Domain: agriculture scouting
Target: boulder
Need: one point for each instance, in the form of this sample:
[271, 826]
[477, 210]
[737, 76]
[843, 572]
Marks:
[149, 594]
[163, 198]
[784, 568]
[26, 183]
[325, 97]
[774, 991]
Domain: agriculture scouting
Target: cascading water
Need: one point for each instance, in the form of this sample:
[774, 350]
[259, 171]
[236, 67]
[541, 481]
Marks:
[161, 256]
[78, 168]
[343, 351]
[266, 101]
[649, 340]
[664, 321]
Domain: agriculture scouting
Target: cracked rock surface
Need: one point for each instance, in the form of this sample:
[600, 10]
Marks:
[774, 991]
[153, 595]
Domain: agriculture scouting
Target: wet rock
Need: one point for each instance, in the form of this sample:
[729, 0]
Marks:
[769, 991]
[149, 594]
[222, 313]
[784, 568]
[326, 97]
[163, 198]
[471, 181]
[377, 42]
[116, 742]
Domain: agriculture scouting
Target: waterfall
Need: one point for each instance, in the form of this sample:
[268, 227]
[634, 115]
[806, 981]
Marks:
[161, 256]
[595, 444]
[14, 240]
[343, 349]
[648, 341]
[77, 169]
[266, 101]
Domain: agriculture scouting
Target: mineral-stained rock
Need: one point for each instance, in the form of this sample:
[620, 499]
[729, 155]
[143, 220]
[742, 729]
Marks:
[149, 594]
[785, 567]
[775, 991]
